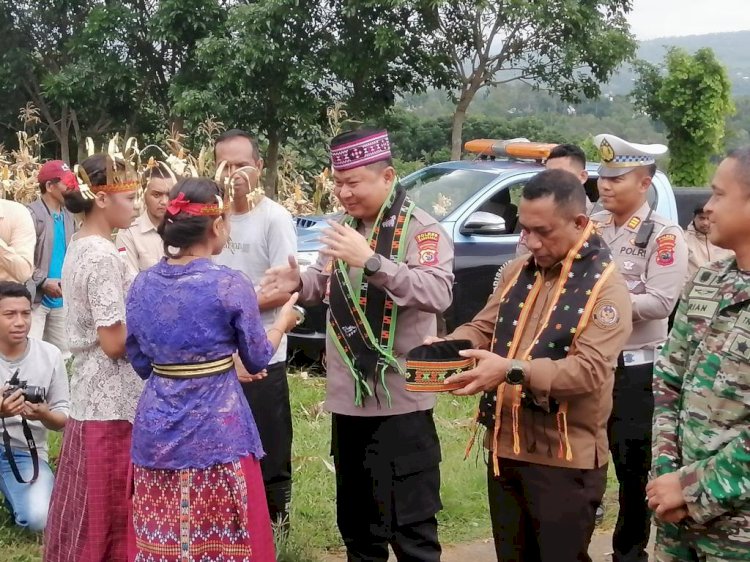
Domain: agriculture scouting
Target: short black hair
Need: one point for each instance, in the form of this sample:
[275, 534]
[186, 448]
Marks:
[11, 289]
[742, 157]
[699, 208]
[233, 134]
[160, 171]
[572, 151]
[565, 188]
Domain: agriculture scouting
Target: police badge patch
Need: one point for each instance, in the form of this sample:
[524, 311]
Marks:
[665, 249]
[606, 315]
[427, 245]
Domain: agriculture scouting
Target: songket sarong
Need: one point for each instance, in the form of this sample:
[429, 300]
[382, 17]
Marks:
[194, 515]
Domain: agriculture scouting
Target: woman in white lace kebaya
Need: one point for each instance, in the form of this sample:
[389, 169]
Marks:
[89, 515]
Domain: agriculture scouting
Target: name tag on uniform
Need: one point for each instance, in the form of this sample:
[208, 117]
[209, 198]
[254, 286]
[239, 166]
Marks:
[702, 308]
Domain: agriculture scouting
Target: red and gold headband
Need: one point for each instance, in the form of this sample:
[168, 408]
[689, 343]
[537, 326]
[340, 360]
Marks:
[180, 204]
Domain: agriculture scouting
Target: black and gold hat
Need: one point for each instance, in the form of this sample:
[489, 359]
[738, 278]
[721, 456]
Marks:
[427, 366]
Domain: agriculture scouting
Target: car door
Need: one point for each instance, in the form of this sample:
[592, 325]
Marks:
[479, 254]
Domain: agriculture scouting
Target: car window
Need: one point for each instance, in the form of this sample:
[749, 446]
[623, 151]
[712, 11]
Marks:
[439, 191]
[503, 203]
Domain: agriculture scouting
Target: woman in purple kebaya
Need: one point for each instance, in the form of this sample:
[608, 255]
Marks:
[197, 487]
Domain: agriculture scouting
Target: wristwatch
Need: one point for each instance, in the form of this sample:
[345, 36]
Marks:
[372, 265]
[515, 375]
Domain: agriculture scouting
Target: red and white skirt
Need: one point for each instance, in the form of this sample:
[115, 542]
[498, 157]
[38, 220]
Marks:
[190, 515]
[89, 512]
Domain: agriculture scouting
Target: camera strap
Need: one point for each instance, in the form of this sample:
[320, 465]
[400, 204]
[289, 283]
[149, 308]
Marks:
[32, 450]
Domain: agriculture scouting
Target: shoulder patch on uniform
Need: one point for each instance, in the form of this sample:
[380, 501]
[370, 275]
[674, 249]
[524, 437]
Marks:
[634, 222]
[665, 249]
[606, 315]
[427, 245]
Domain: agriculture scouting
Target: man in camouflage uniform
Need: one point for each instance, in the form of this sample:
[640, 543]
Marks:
[701, 447]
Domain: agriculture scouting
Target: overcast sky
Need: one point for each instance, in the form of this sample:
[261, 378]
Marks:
[667, 18]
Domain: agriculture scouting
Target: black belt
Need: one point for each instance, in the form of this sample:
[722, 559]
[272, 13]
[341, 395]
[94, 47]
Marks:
[193, 370]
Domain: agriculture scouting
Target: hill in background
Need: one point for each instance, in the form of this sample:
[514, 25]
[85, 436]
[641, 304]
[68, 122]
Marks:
[733, 49]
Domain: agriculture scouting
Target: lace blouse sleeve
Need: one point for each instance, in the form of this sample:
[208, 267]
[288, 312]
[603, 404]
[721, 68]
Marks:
[105, 290]
[238, 297]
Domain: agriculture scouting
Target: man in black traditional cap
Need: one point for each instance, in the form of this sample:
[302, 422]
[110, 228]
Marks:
[386, 270]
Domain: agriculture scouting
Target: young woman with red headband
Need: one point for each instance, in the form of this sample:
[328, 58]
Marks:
[197, 489]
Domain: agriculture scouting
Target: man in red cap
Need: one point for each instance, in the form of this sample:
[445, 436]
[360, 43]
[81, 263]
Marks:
[54, 227]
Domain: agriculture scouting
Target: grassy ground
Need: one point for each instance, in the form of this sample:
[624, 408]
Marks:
[314, 530]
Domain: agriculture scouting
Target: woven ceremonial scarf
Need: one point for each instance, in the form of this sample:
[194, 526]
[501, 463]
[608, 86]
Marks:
[363, 317]
[572, 299]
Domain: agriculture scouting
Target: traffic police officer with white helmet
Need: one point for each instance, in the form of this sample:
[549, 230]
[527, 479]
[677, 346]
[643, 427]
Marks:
[652, 255]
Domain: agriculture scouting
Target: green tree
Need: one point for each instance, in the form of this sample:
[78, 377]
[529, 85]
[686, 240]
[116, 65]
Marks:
[690, 95]
[566, 46]
[264, 71]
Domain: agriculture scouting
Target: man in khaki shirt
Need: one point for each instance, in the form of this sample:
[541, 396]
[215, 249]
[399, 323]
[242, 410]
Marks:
[651, 253]
[398, 262]
[17, 241]
[546, 345]
[141, 244]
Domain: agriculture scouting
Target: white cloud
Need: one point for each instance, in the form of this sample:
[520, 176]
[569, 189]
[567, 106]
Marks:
[650, 19]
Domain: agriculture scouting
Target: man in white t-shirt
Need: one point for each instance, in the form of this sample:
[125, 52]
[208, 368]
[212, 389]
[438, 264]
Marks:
[35, 411]
[263, 235]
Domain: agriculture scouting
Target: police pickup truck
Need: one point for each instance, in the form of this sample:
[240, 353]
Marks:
[476, 202]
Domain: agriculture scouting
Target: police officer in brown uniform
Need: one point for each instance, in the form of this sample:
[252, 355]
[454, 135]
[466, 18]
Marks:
[652, 255]
[386, 270]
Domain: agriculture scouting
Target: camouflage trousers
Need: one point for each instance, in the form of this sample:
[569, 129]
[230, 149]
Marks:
[673, 546]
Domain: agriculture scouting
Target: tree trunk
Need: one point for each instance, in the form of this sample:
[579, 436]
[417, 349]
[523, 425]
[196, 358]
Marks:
[64, 136]
[272, 164]
[457, 123]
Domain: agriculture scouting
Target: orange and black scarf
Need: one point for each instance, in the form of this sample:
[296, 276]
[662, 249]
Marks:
[584, 270]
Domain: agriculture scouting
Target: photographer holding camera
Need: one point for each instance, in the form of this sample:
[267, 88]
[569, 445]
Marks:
[34, 399]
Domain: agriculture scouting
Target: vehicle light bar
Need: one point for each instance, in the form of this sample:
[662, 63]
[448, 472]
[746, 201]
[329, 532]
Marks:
[513, 148]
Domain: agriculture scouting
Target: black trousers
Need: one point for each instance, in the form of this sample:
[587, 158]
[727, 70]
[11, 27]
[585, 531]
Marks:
[387, 486]
[269, 401]
[629, 431]
[543, 513]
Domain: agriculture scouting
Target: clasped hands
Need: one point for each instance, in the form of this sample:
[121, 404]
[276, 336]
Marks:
[665, 498]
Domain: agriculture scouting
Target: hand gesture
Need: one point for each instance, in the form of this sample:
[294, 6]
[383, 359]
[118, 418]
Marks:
[12, 405]
[429, 340]
[281, 279]
[488, 373]
[242, 375]
[344, 243]
[52, 288]
[287, 315]
[35, 412]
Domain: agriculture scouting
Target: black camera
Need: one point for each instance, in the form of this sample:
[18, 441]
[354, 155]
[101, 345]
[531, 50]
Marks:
[33, 394]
